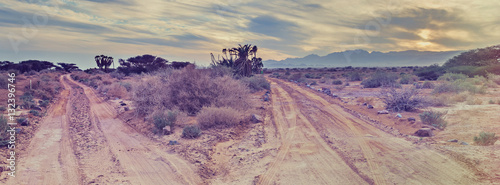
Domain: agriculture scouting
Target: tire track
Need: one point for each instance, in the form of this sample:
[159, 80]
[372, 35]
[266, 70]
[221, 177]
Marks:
[389, 159]
[303, 150]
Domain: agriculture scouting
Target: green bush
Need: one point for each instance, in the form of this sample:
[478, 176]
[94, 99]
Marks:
[451, 77]
[485, 139]
[256, 83]
[162, 119]
[408, 79]
[381, 79]
[466, 70]
[27, 100]
[218, 117]
[35, 113]
[458, 86]
[434, 118]
[191, 132]
[430, 73]
[337, 82]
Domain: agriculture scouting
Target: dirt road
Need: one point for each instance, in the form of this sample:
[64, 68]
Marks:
[81, 142]
[321, 143]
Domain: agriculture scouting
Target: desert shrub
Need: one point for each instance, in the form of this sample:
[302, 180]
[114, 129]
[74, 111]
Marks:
[3, 128]
[161, 119]
[117, 90]
[439, 101]
[485, 139]
[408, 79]
[427, 85]
[461, 97]
[434, 118]
[312, 75]
[407, 99]
[4, 83]
[458, 86]
[451, 77]
[337, 82]
[220, 71]
[354, 76]
[494, 78]
[27, 100]
[256, 83]
[35, 113]
[314, 83]
[43, 103]
[127, 86]
[295, 77]
[430, 73]
[117, 75]
[191, 132]
[380, 79]
[147, 95]
[474, 101]
[466, 70]
[491, 102]
[189, 90]
[322, 80]
[218, 117]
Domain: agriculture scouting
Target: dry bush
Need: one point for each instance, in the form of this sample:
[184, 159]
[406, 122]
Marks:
[494, 78]
[461, 97]
[407, 99]
[147, 95]
[474, 101]
[189, 90]
[117, 90]
[256, 83]
[191, 132]
[441, 100]
[220, 117]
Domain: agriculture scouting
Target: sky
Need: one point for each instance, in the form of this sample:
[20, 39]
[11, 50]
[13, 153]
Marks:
[74, 31]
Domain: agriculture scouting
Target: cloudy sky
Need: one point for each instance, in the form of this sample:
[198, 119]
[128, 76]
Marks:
[76, 30]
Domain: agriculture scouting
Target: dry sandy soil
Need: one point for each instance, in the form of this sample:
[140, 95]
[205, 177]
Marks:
[306, 138]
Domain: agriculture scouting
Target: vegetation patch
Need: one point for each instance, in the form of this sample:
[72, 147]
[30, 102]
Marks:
[434, 118]
[485, 139]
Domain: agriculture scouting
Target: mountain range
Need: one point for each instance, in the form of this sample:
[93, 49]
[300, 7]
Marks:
[363, 58]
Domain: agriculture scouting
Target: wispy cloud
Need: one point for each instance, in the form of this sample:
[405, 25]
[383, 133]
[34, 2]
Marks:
[190, 30]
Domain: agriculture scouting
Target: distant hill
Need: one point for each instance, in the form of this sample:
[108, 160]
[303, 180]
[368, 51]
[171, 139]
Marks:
[362, 58]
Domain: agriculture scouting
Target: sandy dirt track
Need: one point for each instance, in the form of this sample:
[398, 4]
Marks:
[316, 134]
[100, 149]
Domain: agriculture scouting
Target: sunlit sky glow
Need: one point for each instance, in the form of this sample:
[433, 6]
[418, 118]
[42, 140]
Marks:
[75, 31]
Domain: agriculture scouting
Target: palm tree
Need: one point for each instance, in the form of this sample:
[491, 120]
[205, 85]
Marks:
[243, 59]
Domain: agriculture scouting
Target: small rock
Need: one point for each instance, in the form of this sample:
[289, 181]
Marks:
[412, 119]
[123, 104]
[383, 112]
[365, 104]
[173, 142]
[126, 108]
[424, 132]
[25, 122]
[36, 108]
[453, 140]
[399, 115]
[371, 107]
[256, 118]
[464, 143]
